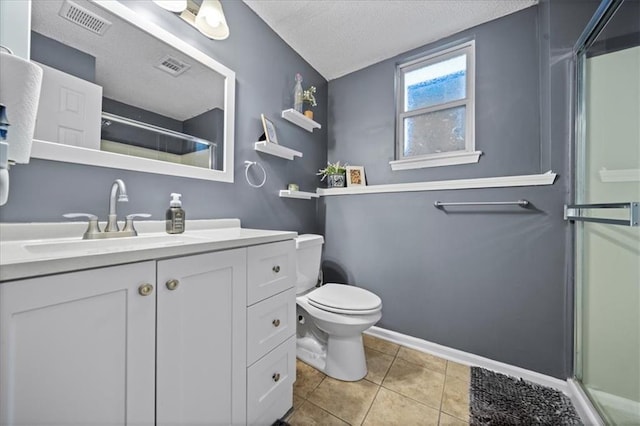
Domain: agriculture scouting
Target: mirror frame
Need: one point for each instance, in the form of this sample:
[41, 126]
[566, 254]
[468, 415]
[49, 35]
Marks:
[71, 154]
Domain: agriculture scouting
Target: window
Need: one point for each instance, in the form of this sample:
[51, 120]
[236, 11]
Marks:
[435, 112]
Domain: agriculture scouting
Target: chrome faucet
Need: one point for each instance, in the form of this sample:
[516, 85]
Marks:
[117, 187]
[118, 193]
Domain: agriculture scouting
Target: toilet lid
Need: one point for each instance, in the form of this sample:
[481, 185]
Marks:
[345, 299]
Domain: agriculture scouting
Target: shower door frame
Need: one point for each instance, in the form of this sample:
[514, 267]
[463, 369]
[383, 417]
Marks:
[601, 17]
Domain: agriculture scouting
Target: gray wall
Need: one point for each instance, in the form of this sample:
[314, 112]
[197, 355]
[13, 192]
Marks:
[62, 57]
[490, 281]
[265, 68]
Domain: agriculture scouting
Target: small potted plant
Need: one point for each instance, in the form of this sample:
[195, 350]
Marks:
[335, 174]
[309, 101]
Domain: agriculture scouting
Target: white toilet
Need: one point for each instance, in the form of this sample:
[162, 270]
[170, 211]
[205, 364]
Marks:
[331, 318]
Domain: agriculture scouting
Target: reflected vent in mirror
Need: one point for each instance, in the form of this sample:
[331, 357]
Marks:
[83, 17]
[172, 66]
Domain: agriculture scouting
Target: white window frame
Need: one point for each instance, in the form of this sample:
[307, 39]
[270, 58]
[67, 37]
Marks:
[466, 156]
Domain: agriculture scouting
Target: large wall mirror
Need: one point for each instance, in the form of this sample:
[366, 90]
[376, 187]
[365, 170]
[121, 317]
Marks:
[119, 91]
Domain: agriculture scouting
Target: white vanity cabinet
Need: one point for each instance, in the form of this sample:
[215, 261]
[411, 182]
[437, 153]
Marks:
[159, 342]
[79, 348]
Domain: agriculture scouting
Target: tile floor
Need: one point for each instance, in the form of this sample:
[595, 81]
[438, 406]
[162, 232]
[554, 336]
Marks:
[403, 387]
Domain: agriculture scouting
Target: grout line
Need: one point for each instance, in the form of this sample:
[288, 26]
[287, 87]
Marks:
[371, 406]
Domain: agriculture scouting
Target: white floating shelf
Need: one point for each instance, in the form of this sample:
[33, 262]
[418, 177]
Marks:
[285, 193]
[300, 120]
[491, 182]
[277, 150]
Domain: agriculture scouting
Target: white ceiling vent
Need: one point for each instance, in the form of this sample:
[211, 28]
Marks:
[83, 17]
[172, 65]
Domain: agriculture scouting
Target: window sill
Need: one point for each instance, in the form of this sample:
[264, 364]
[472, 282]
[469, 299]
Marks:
[437, 160]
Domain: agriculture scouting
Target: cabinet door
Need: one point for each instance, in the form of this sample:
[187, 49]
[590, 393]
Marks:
[78, 348]
[201, 339]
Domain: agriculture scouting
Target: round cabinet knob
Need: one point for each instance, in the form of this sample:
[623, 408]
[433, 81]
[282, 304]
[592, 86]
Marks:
[145, 289]
[276, 269]
[276, 377]
[276, 322]
[172, 284]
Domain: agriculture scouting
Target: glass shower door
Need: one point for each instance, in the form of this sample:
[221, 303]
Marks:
[607, 232]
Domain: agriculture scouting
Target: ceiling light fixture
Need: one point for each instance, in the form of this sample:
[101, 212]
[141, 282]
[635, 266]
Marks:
[172, 5]
[208, 18]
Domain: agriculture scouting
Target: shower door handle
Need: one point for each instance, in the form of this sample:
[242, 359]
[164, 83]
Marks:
[572, 212]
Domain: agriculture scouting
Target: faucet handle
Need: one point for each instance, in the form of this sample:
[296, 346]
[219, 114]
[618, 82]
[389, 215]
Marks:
[93, 229]
[128, 227]
[77, 215]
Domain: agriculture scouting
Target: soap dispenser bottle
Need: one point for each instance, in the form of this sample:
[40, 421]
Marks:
[175, 215]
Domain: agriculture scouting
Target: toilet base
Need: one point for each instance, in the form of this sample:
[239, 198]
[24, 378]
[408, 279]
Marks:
[345, 358]
[341, 357]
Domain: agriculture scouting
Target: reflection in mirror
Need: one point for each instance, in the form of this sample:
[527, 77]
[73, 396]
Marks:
[109, 86]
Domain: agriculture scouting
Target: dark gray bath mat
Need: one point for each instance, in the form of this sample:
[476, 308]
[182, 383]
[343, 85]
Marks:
[497, 399]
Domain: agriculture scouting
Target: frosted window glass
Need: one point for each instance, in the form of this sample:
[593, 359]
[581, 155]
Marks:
[435, 132]
[435, 84]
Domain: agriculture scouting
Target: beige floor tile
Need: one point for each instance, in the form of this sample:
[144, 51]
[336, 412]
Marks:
[310, 414]
[447, 420]
[349, 401]
[297, 401]
[416, 382]
[424, 359]
[459, 371]
[390, 408]
[377, 365]
[380, 345]
[307, 379]
[455, 400]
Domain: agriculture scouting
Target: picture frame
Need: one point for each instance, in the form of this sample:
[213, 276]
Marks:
[355, 176]
[269, 130]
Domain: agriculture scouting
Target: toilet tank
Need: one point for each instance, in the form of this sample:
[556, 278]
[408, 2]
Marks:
[308, 252]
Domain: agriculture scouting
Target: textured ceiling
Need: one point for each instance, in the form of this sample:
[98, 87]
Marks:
[338, 37]
[125, 60]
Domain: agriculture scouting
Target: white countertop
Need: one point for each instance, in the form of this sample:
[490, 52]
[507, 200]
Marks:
[36, 249]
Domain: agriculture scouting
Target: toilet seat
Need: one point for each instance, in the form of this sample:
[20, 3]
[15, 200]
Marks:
[345, 299]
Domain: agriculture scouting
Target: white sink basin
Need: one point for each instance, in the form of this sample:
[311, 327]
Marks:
[67, 247]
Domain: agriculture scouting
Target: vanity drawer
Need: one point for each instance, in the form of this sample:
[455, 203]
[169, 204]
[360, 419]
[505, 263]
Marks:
[271, 269]
[270, 323]
[270, 384]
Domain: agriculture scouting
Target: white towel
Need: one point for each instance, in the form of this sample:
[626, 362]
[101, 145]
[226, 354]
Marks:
[20, 82]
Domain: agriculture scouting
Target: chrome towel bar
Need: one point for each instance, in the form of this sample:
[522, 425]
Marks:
[521, 203]
[572, 212]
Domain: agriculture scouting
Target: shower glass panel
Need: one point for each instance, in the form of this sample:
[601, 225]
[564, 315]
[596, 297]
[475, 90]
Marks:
[608, 256]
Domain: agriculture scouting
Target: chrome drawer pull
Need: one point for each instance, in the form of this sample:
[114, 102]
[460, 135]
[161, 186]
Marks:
[276, 322]
[276, 377]
[276, 269]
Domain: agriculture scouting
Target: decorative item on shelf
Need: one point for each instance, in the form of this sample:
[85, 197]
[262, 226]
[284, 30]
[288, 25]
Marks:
[309, 101]
[355, 176]
[293, 187]
[335, 174]
[297, 93]
[269, 130]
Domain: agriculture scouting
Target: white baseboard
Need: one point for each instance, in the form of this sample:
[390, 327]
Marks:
[583, 406]
[468, 358]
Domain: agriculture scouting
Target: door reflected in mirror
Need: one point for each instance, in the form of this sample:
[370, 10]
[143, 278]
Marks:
[111, 86]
